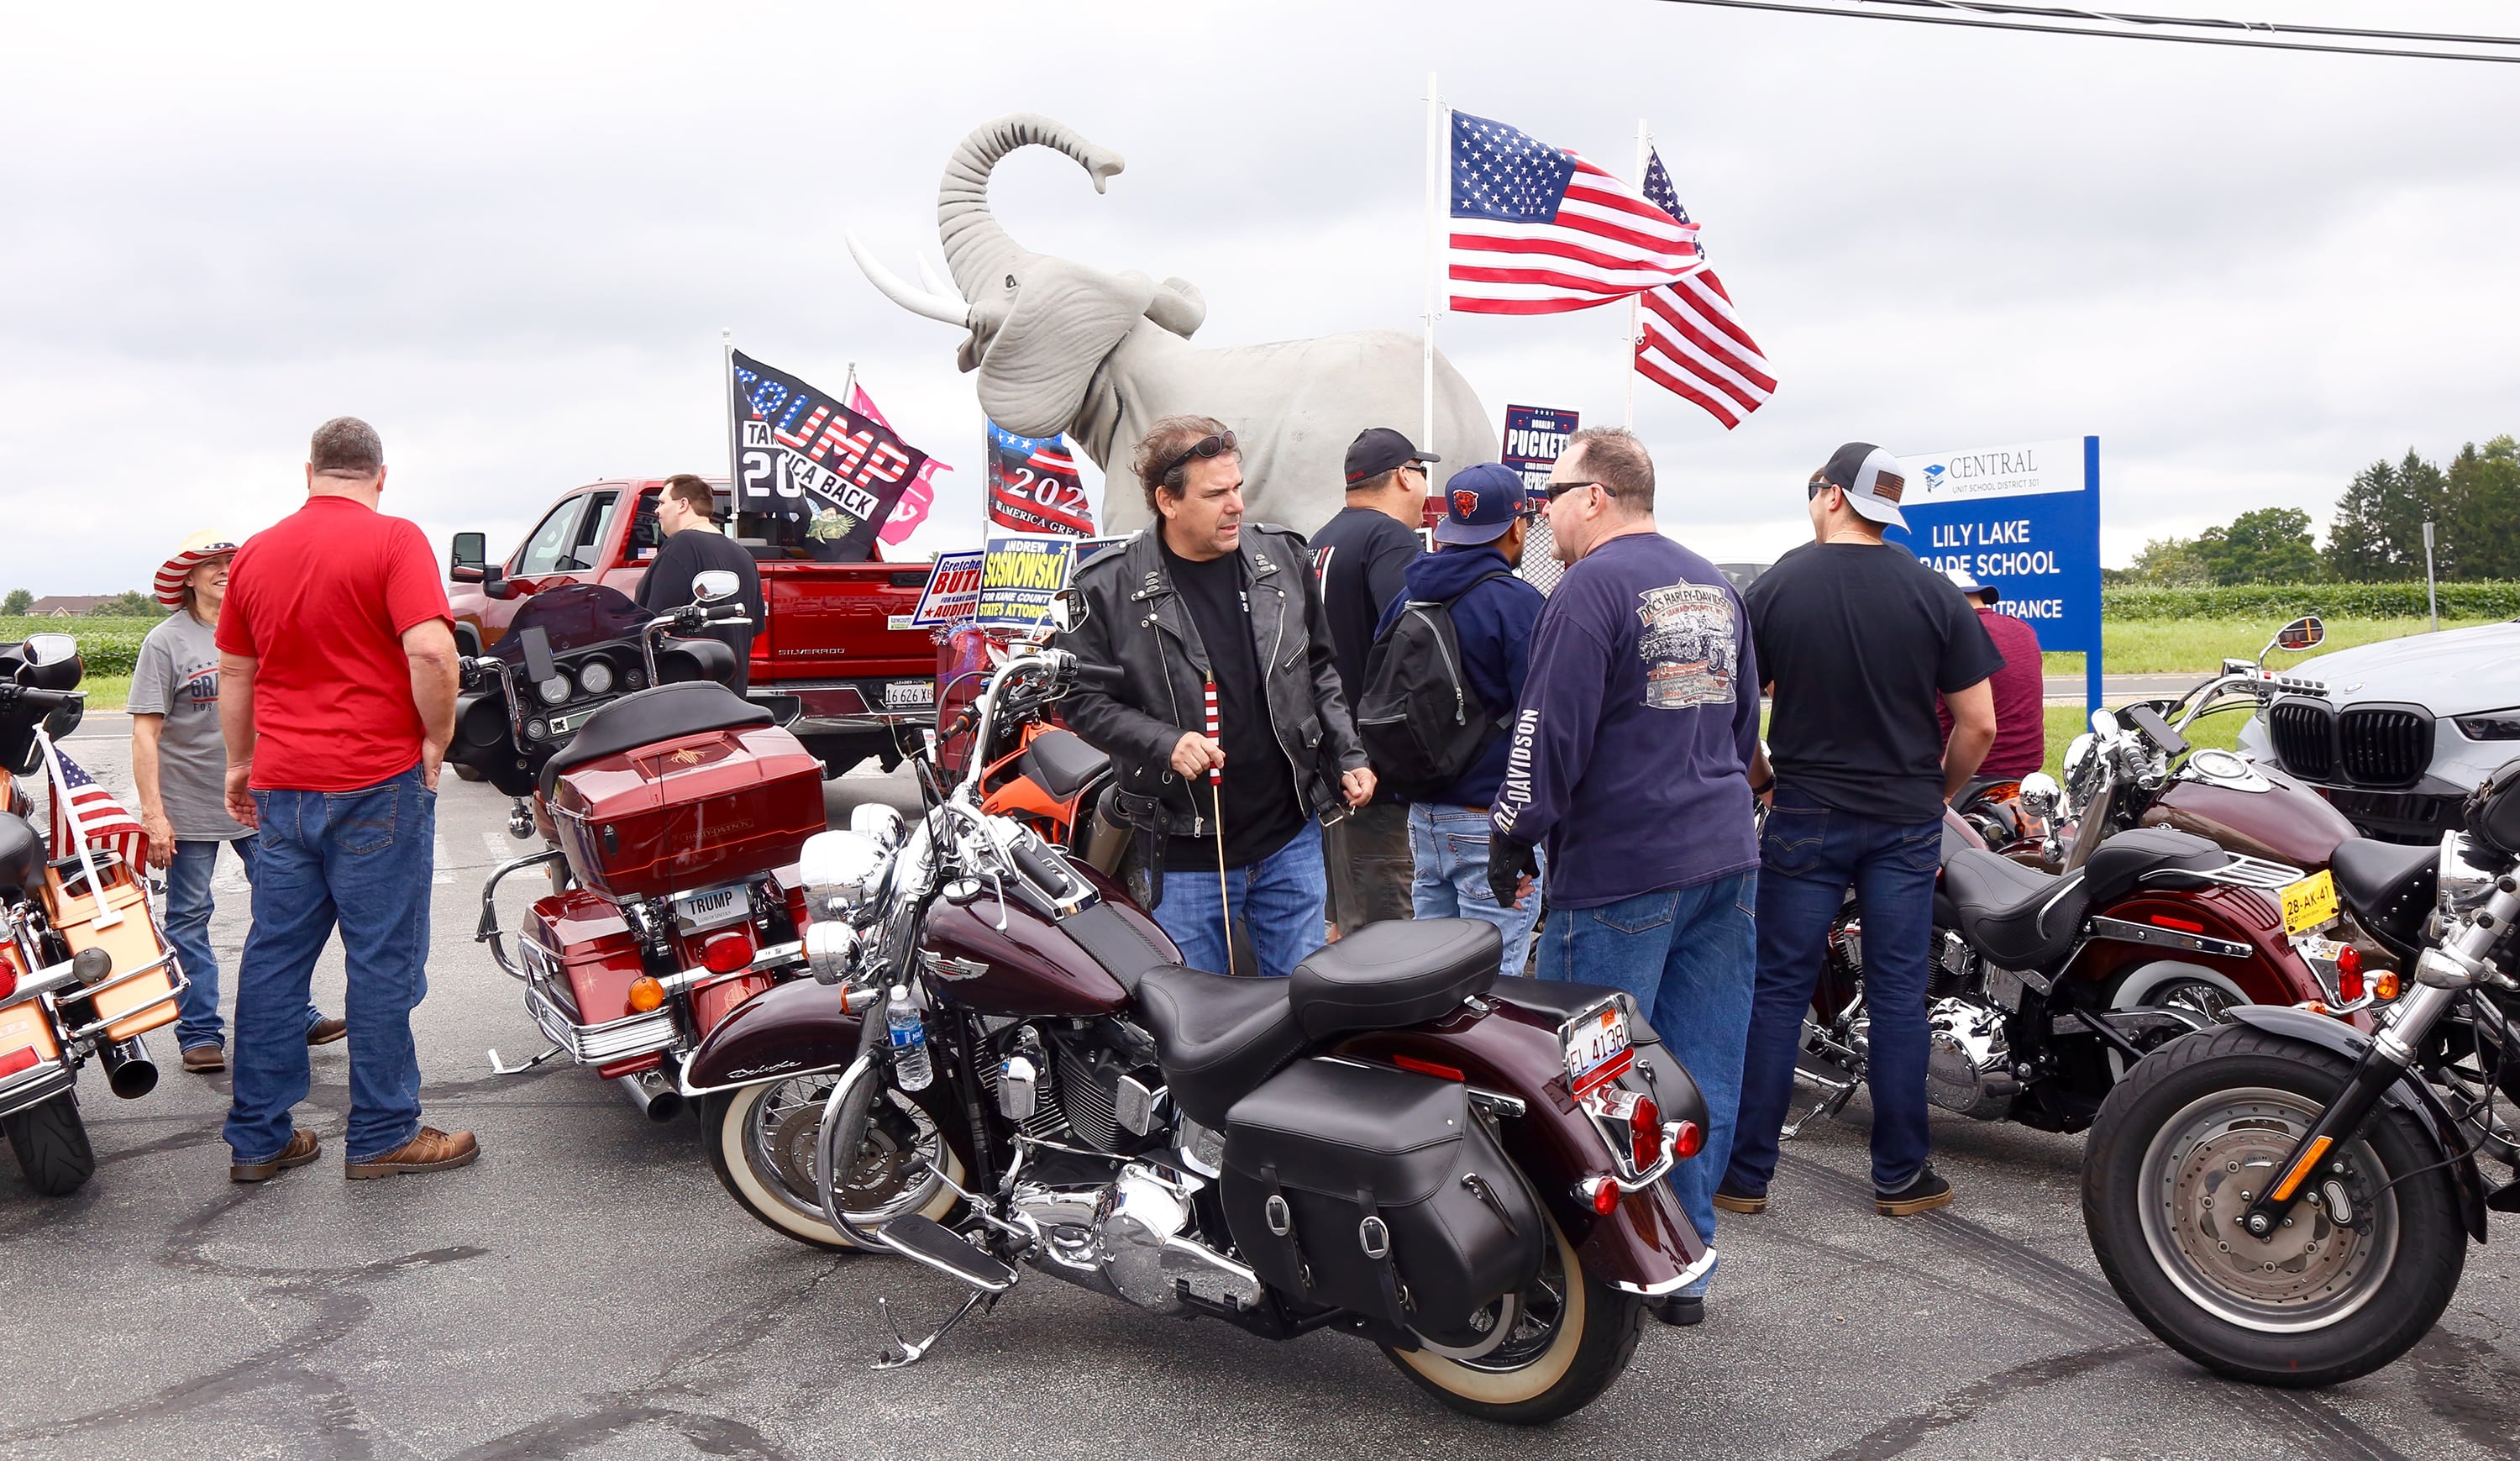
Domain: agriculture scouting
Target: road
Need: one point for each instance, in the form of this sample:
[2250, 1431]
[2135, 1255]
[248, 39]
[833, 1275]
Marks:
[587, 1289]
[2118, 689]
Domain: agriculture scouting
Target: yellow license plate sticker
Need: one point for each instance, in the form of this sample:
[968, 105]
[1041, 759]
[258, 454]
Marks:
[2309, 903]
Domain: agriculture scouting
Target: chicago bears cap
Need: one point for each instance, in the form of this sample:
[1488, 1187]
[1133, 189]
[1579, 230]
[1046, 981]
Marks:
[1480, 503]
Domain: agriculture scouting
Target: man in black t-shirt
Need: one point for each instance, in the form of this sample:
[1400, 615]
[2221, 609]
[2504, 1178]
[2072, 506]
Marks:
[1359, 556]
[1856, 639]
[692, 546]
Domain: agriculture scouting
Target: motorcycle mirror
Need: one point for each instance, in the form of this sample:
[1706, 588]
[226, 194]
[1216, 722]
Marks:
[1066, 610]
[41, 650]
[2303, 634]
[536, 644]
[2041, 793]
[714, 584]
[2104, 724]
[874, 819]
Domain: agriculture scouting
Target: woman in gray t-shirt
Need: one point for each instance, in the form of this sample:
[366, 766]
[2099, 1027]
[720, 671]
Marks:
[180, 761]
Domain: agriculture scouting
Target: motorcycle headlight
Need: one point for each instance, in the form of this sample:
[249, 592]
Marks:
[831, 951]
[595, 678]
[553, 690]
[843, 873]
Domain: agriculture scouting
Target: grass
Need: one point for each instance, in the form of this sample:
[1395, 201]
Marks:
[2200, 644]
[107, 692]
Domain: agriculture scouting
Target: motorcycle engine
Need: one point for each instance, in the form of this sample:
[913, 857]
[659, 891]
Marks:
[1968, 1066]
[1106, 1077]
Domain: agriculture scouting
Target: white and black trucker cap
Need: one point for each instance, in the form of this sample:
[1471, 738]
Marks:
[1872, 480]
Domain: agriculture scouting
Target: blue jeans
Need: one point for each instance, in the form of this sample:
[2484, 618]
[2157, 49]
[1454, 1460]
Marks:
[1808, 856]
[1450, 848]
[359, 860]
[1282, 900]
[187, 929]
[1686, 957]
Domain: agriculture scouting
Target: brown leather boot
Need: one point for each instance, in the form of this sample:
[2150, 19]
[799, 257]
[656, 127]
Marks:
[300, 1150]
[430, 1150]
[204, 1060]
[326, 1031]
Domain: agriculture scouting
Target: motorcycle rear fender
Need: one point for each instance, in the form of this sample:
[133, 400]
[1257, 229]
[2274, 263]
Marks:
[794, 1028]
[1645, 1243]
[2409, 1094]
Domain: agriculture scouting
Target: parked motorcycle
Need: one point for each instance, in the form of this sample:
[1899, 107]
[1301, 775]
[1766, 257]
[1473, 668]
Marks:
[671, 811]
[1397, 1142]
[83, 974]
[1040, 773]
[2284, 1200]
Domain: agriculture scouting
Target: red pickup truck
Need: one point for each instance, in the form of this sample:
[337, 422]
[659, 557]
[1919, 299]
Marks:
[835, 650]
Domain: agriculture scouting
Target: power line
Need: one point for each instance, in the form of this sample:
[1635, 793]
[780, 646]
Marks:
[2192, 40]
[2201, 22]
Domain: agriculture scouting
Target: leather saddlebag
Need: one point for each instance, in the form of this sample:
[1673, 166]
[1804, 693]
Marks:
[1378, 1192]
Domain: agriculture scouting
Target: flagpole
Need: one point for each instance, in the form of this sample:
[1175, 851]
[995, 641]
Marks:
[733, 431]
[1438, 157]
[1635, 302]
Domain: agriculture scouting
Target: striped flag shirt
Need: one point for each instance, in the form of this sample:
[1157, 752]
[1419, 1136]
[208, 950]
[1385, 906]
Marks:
[1539, 230]
[1693, 344]
[101, 819]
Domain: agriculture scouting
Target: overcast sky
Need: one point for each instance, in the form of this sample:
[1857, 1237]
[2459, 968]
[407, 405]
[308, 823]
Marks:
[509, 235]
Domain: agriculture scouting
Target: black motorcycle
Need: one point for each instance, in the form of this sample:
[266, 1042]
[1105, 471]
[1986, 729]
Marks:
[2286, 1200]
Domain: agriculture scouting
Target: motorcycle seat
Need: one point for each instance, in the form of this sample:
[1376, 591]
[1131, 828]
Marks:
[1217, 1035]
[2022, 918]
[2390, 888]
[22, 856]
[1400, 971]
[646, 717]
[1063, 763]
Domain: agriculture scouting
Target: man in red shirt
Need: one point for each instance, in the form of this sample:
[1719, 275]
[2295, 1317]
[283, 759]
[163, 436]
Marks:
[2020, 688]
[338, 671]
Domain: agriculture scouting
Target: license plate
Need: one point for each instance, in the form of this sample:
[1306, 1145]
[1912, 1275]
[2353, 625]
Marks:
[911, 693]
[1596, 1047]
[2309, 903]
[23, 1026]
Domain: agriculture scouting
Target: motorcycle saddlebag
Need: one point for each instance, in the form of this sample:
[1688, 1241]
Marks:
[1378, 1192]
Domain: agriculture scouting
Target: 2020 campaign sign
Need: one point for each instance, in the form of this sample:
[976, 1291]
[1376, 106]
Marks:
[1020, 575]
[953, 591]
[2024, 520]
[1534, 438]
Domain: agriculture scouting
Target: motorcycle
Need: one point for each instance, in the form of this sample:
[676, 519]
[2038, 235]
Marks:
[83, 974]
[2286, 1200]
[1000, 1067]
[1040, 773]
[671, 812]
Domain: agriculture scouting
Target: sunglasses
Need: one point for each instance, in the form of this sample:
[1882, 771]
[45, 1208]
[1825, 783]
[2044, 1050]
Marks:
[1205, 446]
[1558, 489]
[1819, 484]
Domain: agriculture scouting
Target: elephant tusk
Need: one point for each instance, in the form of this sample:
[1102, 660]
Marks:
[946, 308]
[936, 286]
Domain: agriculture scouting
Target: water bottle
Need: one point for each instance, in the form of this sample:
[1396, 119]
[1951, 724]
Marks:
[911, 1069]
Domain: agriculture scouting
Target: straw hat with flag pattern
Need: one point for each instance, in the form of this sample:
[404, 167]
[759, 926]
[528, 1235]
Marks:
[197, 550]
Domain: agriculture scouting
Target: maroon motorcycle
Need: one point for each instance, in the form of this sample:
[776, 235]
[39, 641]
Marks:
[1001, 1068]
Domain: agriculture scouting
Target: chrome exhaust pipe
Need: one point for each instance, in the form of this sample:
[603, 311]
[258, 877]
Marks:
[651, 1093]
[129, 1072]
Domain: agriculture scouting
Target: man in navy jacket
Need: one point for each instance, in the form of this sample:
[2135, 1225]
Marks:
[1479, 540]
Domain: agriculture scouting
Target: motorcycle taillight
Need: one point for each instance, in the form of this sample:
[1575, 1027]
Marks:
[1644, 1132]
[18, 1059]
[2349, 974]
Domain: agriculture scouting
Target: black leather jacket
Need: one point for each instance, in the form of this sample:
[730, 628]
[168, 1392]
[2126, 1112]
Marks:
[1136, 620]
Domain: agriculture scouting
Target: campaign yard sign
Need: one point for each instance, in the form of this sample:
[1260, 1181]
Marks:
[951, 594]
[2024, 520]
[1533, 437]
[1020, 574]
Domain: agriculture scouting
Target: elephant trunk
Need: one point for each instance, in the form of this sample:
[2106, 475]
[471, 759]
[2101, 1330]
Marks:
[976, 248]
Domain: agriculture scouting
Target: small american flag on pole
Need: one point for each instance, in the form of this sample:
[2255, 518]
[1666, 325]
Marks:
[1539, 230]
[101, 819]
[1693, 344]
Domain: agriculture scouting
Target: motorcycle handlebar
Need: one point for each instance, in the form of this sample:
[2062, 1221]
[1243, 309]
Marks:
[45, 702]
[1101, 674]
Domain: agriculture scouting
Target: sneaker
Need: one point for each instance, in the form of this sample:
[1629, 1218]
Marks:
[1928, 1190]
[326, 1031]
[1681, 1313]
[1732, 1201]
[204, 1060]
[430, 1150]
[300, 1150]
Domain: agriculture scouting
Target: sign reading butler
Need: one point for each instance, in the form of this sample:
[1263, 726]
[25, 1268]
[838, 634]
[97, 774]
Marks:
[2024, 520]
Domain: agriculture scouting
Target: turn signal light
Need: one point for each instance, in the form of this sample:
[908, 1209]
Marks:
[646, 994]
[2349, 974]
[2385, 986]
[1688, 1142]
[726, 953]
[8, 979]
[24, 1060]
[1644, 1132]
[1602, 1194]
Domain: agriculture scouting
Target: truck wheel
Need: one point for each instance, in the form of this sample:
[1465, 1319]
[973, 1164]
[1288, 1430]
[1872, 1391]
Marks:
[50, 1145]
[763, 1139]
[1568, 1338]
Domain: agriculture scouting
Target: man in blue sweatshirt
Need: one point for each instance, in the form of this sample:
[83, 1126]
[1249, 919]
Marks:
[1630, 762]
[1478, 546]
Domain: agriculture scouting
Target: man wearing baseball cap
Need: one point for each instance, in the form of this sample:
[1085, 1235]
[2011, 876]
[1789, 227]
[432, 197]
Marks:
[1478, 545]
[180, 764]
[2021, 689]
[1858, 641]
[1359, 556]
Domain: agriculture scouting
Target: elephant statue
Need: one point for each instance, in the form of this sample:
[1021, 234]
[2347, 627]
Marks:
[1065, 346]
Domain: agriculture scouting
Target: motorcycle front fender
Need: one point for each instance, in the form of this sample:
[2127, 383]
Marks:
[1645, 1244]
[794, 1028]
[2410, 1094]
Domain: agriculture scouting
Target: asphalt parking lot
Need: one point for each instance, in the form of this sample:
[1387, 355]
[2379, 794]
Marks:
[586, 1288]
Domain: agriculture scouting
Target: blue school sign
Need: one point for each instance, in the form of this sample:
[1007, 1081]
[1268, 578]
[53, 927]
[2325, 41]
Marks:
[2024, 520]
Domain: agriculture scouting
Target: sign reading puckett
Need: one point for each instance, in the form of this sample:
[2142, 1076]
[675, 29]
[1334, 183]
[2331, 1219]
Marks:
[1018, 578]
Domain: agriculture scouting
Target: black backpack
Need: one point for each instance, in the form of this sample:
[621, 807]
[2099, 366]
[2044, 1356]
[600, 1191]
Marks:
[1421, 722]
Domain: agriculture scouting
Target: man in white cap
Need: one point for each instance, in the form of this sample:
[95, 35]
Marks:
[1857, 641]
[180, 762]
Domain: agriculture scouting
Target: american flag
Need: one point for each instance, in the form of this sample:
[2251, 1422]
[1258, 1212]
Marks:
[1538, 230]
[1693, 344]
[101, 819]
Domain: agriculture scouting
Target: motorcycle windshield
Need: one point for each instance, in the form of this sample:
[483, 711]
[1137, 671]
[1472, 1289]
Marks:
[573, 616]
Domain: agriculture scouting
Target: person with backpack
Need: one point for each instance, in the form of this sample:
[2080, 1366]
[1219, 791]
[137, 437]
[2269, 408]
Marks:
[1631, 760]
[1447, 665]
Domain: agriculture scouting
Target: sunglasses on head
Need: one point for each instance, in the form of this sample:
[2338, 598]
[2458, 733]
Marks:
[1205, 446]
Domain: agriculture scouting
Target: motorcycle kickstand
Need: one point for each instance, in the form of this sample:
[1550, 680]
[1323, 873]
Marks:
[1840, 1092]
[497, 1069]
[911, 1354]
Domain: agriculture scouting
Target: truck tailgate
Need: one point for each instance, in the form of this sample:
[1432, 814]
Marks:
[830, 640]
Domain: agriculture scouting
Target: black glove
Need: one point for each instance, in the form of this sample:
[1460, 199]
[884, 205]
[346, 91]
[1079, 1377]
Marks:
[1508, 859]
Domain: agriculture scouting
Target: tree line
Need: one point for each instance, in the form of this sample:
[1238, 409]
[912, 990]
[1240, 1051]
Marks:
[129, 604]
[2377, 533]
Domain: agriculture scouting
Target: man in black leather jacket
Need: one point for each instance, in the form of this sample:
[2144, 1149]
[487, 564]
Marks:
[1200, 599]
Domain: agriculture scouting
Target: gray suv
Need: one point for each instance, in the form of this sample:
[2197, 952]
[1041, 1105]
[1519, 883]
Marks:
[2398, 733]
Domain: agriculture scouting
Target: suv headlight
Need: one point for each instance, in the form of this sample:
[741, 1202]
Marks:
[842, 872]
[2489, 725]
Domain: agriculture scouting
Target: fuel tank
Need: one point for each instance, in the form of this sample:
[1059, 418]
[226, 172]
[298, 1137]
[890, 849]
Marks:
[2287, 823]
[1031, 966]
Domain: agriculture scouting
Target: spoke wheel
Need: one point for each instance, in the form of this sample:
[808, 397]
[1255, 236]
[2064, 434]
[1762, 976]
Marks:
[1563, 1341]
[762, 1141]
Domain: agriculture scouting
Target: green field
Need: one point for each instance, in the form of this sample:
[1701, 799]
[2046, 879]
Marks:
[2156, 645]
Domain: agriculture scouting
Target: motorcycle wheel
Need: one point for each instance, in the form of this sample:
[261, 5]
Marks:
[2178, 1145]
[1571, 1338]
[50, 1145]
[761, 1140]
